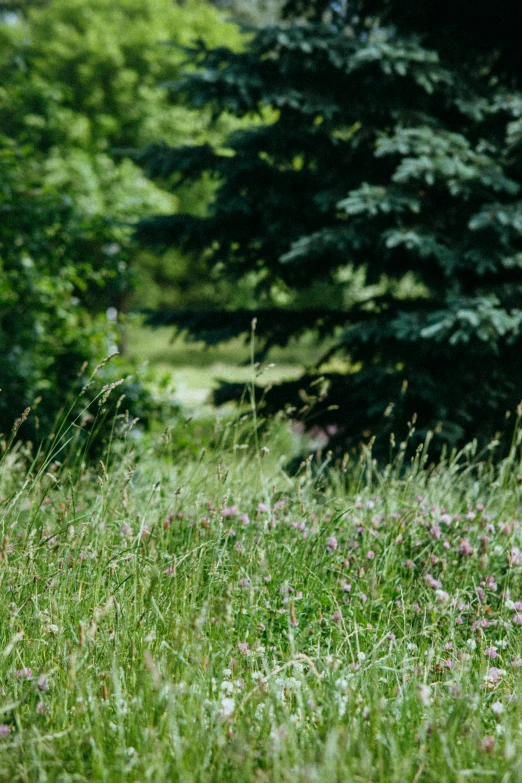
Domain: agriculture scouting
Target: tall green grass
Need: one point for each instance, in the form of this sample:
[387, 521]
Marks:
[185, 614]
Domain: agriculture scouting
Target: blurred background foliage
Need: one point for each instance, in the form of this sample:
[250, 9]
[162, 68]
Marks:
[377, 204]
[345, 172]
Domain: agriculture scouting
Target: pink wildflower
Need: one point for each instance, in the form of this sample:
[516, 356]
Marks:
[487, 744]
[493, 675]
[332, 544]
[490, 652]
[465, 548]
[432, 582]
[24, 674]
[4, 729]
[370, 554]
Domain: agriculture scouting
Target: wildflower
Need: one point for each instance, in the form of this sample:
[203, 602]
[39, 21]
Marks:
[43, 683]
[497, 708]
[409, 564]
[446, 519]
[230, 511]
[435, 532]
[370, 554]
[391, 636]
[243, 647]
[244, 519]
[517, 619]
[332, 544]
[487, 744]
[42, 708]
[227, 707]
[245, 582]
[337, 616]
[4, 729]
[268, 578]
[432, 582]
[491, 652]
[425, 695]
[465, 548]
[442, 596]
[262, 508]
[493, 675]
[347, 587]
[24, 674]
[470, 516]
[515, 556]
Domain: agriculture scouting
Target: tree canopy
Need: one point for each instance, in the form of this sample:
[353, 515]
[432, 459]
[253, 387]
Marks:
[82, 85]
[386, 175]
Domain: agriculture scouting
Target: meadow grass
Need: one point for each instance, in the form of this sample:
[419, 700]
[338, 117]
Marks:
[171, 617]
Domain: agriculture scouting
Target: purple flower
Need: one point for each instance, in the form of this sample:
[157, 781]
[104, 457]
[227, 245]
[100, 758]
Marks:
[332, 544]
[432, 582]
[24, 674]
[465, 548]
[230, 511]
[262, 508]
[493, 674]
[4, 729]
[43, 683]
[490, 652]
[435, 532]
[370, 554]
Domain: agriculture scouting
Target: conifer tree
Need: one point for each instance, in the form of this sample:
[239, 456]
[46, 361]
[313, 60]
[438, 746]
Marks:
[381, 196]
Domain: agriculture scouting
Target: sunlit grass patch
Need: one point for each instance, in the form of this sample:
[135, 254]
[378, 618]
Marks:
[172, 614]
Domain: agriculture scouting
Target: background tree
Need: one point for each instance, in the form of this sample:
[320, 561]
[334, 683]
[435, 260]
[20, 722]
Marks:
[89, 82]
[391, 159]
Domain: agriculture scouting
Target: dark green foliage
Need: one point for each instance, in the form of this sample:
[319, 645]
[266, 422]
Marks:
[46, 332]
[389, 167]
